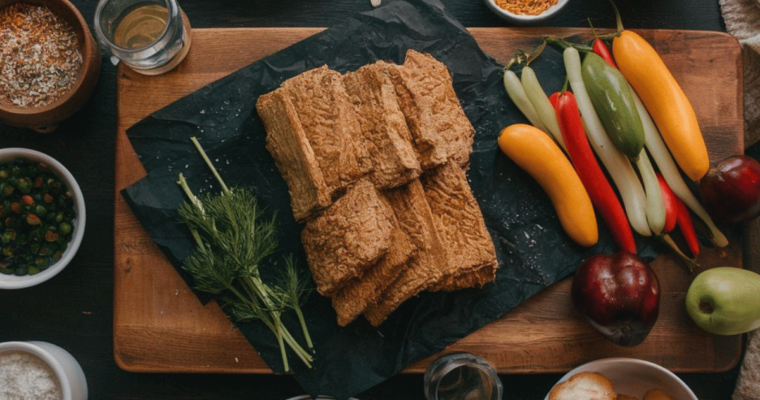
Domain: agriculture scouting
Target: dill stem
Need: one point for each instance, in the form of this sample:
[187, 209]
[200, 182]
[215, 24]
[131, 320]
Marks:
[210, 165]
[278, 333]
[260, 300]
[282, 332]
[189, 193]
[275, 325]
[300, 352]
[240, 296]
[261, 291]
[301, 319]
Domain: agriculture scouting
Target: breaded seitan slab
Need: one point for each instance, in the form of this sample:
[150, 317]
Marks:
[427, 261]
[313, 114]
[352, 299]
[383, 125]
[440, 129]
[348, 237]
[459, 223]
[293, 155]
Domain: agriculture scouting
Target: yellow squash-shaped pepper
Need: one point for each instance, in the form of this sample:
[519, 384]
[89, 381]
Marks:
[665, 100]
[536, 153]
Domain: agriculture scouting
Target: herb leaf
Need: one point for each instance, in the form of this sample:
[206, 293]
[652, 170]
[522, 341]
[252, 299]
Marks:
[233, 237]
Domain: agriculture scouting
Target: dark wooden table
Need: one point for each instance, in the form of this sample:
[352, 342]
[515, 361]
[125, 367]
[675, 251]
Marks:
[74, 310]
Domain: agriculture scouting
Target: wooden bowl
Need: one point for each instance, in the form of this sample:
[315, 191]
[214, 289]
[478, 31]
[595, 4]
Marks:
[46, 118]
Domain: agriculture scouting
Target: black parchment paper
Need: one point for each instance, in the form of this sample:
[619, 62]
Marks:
[532, 249]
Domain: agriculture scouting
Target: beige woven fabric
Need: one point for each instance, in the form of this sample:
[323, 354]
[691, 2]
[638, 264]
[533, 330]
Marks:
[742, 19]
[748, 384]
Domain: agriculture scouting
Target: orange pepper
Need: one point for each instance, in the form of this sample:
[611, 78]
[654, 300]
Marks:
[535, 152]
[665, 100]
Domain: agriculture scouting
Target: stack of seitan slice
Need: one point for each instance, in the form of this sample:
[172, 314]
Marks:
[374, 164]
[313, 132]
[433, 113]
[454, 248]
[348, 237]
[383, 125]
[426, 266]
[457, 218]
[353, 299]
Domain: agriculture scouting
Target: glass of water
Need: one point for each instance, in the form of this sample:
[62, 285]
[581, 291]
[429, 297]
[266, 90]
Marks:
[149, 36]
[462, 376]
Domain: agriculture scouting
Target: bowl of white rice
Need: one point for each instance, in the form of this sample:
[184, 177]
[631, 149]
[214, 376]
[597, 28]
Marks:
[40, 371]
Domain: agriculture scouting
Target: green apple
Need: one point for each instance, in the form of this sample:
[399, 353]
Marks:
[725, 300]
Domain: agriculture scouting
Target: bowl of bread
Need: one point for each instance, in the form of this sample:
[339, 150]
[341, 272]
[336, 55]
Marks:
[620, 379]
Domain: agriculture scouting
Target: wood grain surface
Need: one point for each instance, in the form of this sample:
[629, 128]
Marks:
[159, 325]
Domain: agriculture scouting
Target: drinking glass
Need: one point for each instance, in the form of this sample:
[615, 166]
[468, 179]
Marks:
[461, 376]
[149, 36]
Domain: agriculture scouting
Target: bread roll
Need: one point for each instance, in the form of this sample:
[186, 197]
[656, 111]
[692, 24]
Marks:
[586, 386]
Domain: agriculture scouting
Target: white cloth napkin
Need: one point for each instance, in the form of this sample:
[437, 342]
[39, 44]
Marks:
[742, 19]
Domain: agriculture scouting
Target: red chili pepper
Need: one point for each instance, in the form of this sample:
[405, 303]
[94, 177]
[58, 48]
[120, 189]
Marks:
[597, 186]
[601, 50]
[687, 227]
[553, 99]
[671, 207]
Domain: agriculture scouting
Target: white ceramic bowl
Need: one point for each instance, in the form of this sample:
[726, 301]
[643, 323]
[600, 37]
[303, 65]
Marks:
[522, 18]
[635, 377]
[19, 282]
[64, 366]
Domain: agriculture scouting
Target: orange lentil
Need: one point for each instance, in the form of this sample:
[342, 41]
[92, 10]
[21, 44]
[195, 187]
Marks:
[526, 7]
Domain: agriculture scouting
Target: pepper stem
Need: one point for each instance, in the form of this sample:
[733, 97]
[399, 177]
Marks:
[564, 44]
[564, 86]
[519, 58]
[536, 52]
[593, 31]
[691, 263]
[618, 20]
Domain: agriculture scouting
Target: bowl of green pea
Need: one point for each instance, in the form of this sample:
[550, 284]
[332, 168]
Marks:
[42, 217]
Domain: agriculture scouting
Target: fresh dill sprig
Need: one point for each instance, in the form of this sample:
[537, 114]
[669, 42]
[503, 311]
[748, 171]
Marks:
[232, 238]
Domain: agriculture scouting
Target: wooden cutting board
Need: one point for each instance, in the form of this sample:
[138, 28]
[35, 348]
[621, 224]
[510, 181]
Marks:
[160, 326]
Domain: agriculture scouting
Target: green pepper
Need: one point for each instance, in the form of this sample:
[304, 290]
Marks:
[613, 101]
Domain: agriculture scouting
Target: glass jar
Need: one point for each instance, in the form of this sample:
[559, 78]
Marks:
[461, 376]
[149, 36]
